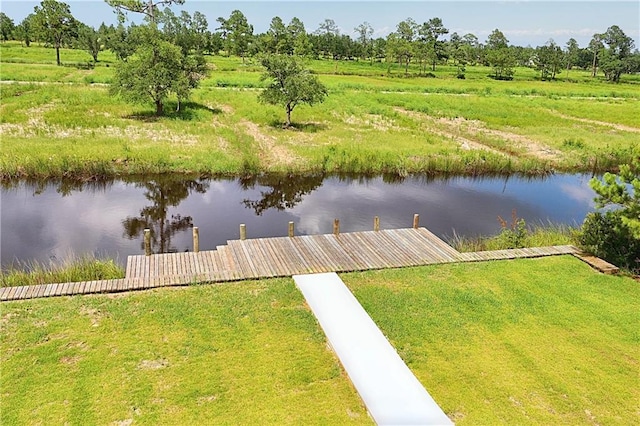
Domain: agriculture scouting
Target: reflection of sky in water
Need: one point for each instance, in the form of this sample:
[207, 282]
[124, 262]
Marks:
[48, 225]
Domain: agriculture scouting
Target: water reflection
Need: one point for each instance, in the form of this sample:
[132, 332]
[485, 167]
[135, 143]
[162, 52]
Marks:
[163, 192]
[280, 192]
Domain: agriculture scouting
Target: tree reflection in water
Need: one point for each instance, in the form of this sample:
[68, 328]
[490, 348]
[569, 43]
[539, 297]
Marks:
[163, 192]
[282, 192]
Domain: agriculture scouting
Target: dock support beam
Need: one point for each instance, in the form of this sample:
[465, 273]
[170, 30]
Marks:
[416, 221]
[290, 229]
[376, 223]
[243, 231]
[336, 227]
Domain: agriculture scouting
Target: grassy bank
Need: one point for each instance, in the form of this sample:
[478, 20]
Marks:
[248, 353]
[543, 341]
[539, 341]
[70, 270]
[53, 123]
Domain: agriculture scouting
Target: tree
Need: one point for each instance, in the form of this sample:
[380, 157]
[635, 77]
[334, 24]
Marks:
[25, 30]
[365, 31]
[499, 55]
[54, 22]
[236, 33]
[595, 46]
[615, 234]
[291, 84]
[571, 53]
[430, 32]
[623, 191]
[278, 40]
[299, 37]
[152, 73]
[548, 59]
[614, 60]
[7, 27]
[149, 8]
[89, 39]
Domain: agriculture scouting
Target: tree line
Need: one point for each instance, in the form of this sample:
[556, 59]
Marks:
[165, 54]
[612, 52]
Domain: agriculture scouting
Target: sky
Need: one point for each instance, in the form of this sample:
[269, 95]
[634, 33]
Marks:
[523, 22]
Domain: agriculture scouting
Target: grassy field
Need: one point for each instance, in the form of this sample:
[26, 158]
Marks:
[53, 122]
[542, 341]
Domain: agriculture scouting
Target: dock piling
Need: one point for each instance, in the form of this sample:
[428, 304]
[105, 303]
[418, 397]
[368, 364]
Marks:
[196, 239]
[147, 242]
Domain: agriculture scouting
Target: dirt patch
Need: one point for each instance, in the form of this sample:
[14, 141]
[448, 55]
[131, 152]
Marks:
[155, 364]
[70, 360]
[453, 134]
[615, 126]
[468, 134]
[94, 315]
[270, 152]
[375, 121]
[206, 399]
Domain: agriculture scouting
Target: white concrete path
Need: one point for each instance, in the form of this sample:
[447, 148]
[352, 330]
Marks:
[390, 391]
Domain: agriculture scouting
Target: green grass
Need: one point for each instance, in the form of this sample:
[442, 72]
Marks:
[532, 341]
[247, 353]
[70, 270]
[535, 341]
[372, 122]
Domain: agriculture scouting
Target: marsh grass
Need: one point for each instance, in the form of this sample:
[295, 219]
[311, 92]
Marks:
[248, 353]
[527, 342]
[536, 235]
[71, 269]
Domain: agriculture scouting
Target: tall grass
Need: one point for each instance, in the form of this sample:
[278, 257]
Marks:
[72, 269]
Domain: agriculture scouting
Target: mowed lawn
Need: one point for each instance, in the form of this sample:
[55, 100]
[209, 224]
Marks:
[537, 341]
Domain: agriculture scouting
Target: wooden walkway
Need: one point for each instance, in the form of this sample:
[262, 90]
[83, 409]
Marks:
[281, 257]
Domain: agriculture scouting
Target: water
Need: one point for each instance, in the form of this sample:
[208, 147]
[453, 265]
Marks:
[50, 221]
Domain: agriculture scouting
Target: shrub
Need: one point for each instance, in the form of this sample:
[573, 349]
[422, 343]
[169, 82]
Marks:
[514, 234]
[608, 237]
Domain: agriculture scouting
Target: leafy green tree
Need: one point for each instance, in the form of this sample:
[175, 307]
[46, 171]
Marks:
[237, 33]
[277, 37]
[365, 31]
[596, 47]
[54, 22]
[25, 31]
[298, 35]
[89, 40]
[291, 84]
[614, 234]
[7, 27]
[615, 58]
[548, 60]
[149, 8]
[151, 73]
[623, 191]
[572, 50]
[499, 55]
[430, 33]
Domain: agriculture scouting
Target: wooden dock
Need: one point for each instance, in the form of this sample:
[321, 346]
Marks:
[281, 257]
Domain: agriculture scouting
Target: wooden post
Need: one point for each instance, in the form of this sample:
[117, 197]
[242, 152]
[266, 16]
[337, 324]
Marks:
[416, 221]
[336, 226]
[243, 231]
[147, 242]
[196, 240]
[290, 229]
[376, 223]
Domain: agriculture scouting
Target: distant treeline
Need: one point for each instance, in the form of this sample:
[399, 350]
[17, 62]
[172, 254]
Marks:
[427, 44]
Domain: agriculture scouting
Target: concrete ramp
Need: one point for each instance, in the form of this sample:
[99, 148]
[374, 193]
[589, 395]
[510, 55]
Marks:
[390, 391]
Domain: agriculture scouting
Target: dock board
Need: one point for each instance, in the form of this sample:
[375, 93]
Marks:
[390, 391]
[283, 257]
